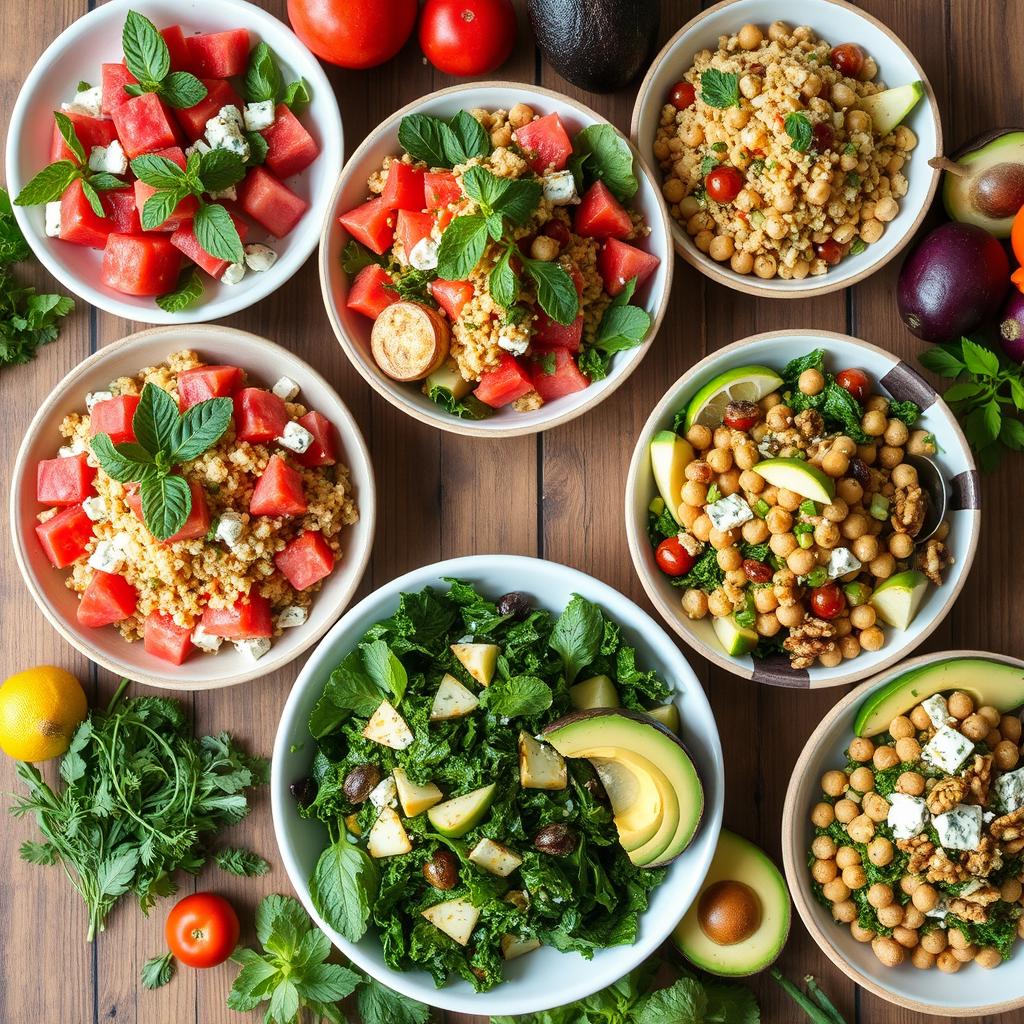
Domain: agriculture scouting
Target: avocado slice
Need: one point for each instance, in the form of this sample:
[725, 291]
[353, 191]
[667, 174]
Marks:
[897, 599]
[994, 683]
[889, 107]
[670, 455]
[983, 183]
[638, 794]
[737, 640]
[742, 878]
[596, 692]
[461, 814]
[798, 476]
[656, 757]
[668, 716]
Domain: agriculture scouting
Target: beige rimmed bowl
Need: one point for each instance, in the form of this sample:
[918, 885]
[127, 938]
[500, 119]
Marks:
[836, 22]
[265, 362]
[353, 329]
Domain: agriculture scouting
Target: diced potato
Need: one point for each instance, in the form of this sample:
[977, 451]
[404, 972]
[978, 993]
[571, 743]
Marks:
[540, 766]
[415, 799]
[387, 727]
[452, 700]
[479, 660]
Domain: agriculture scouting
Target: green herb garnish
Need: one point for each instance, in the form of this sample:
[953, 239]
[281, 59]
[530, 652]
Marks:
[600, 153]
[186, 295]
[622, 327]
[440, 143]
[719, 89]
[148, 59]
[468, 407]
[800, 131]
[263, 82]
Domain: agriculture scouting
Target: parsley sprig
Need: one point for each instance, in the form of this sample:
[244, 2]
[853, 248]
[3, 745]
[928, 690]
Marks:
[204, 173]
[56, 178]
[164, 439]
[148, 59]
[987, 392]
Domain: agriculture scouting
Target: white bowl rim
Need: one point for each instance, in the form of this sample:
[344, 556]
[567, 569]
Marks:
[468, 567]
[396, 395]
[826, 282]
[796, 868]
[333, 138]
[638, 542]
[352, 441]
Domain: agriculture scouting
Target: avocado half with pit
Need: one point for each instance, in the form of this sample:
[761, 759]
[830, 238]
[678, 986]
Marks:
[652, 784]
[740, 920]
[988, 682]
[983, 182]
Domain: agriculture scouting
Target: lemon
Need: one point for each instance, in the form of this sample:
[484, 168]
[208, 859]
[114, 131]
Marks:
[40, 709]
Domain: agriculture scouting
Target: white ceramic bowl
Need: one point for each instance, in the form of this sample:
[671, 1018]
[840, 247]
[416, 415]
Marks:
[973, 991]
[836, 22]
[353, 329]
[894, 378]
[265, 362]
[546, 977]
[76, 54]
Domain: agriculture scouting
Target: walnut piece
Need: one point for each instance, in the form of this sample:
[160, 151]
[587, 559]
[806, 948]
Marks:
[983, 897]
[946, 795]
[978, 778]
[933, 559]
[808, 641]
[980, 863]
[1009, 827]
[968, 911]
[942, 869]
[909, 505]
[919, 849]
[809, 423]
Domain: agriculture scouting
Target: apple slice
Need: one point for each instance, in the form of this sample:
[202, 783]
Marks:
[388, 837]
[415, 799]
[514, 945]
[495, 858]
[461, 814]
[452, 700]
[387, 727]
[456, 918]
[540, 765]
[479, 660]
[897, 599]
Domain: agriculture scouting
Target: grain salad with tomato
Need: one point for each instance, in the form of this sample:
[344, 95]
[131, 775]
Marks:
[782, 154]
[191, 505]
[500, 261]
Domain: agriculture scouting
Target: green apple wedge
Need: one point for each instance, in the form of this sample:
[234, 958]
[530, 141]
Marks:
[889, 107]
[798, 476]
[736, 639]
[742, 384]
[897, 599]
[457, 816]
[670, 455]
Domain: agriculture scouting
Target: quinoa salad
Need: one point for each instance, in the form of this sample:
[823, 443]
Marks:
[497, 258]
[192, 505]
[782, 154]
[919, 838]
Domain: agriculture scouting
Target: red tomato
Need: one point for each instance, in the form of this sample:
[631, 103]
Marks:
[848, 59]
[854, 381]
[742, 415]
[673, 558]
[723, 184]
[202, 930]
[353, 33]
[467, 37]
[682, 95]
[828, 601]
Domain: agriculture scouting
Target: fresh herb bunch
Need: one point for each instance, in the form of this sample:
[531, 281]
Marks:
[56, 178]
[292, 975]
[263, 82]
[141, 798]
[986, 398]
[28, 319]
[164, 439]
[591, 898]
[632, 1000]
[148, 59]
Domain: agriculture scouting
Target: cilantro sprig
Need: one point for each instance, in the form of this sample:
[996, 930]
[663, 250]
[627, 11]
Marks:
[204, 173]
[719, 89]
[164, 439]
[148, 59]
[440, 143]
[56, 178]
[263, 81]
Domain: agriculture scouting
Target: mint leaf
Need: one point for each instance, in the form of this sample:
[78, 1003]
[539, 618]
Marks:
[719, 89]
[186, 295]
[467, 138]
[798, 128]
[158, 171]
[92, 198]
[380, 1005]
[424, 138]
[605, 155]
[556, 292]
[217, 234]
[623, 326]
[156, 419]
[685, 1002]
[103, 182]
[201, 427]
[519, 200]
[182, 90]
[158, 207]
[70, 136]
[462, 246]
[158, 971]
[355, 257]
[577, 635]
[344, 887]
[518, 697]
[241, 862]
[263, 78]
[503, 283]
[980, 360]
[385, 669]
[145, 52]
[258, 149]
[297, 96]
[220, 169]
[942, 361]
[166, 504]
[119, 464]
[48, 185]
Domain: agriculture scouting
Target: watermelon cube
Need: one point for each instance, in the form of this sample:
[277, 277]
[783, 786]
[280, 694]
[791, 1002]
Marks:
[618, 263]
[505, 383]
[91, 131]
[109, 598]
[247, 618]
[412, 228]
[219, 54]
[259, 415]
[66, 481]
[555, 379]
[177, 47]
[451, 296]
[145, 125]
[196, 525]
[372, 224]
[404, 188]
[305, 560]
[218, 94]
[114, 78]
[122, 212]
[290, 148]
[78, 222]
[183, 212]
[165, 639]
[114, 417]
[65, 537]
[185, 240]
[548, 333]
[601, 215]
[547, 142]
[138, 265]
[205, 382]
[279, 491]
[440, 189]
[323, 450]
[370, 292]
[270, 202]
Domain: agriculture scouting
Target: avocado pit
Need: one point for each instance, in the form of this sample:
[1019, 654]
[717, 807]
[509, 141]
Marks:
[729, 912]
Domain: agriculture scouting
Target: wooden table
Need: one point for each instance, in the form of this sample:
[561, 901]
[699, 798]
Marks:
[557, 495]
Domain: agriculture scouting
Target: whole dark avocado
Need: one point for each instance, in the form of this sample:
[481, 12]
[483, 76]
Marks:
[600, 45]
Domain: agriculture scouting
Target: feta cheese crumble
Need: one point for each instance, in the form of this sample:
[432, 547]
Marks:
[95, 507]
[908, 815]
[293, 615]
[842, 561]
[87, 101]
[95, 397]
[253, 648]
[728, 513]
[229, 529]
[947, 749]
[206, 641]
[225, 132]
[106, 557]
[559, 187]
[259, 258]
[110, 159]
[1010, 791]
[424, 254]
[296, 438]
[258, 116]
[233, 273]
[53, 219]
[286, 389]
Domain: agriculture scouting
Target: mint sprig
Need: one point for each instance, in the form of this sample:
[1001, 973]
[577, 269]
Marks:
[440, 143]
[800, 131]
[55, 179]
[164, 438]
[622, 327]
[263, 81]
[186, 295]
[148, 59]
[719, 89]
[600, 153]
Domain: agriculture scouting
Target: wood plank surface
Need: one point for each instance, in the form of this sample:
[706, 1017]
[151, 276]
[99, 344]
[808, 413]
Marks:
[558, 495]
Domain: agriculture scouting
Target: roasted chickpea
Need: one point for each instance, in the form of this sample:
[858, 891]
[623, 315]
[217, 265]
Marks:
[850, 491]
[823, 847]
[862, 779]
[789, 500]
[920, 718]
[845, 810]
[790, 616]
[990, 714]
[1011, 890]
[779, 417]
[909, 884]
[974, 727]
[880, 895]
[883, 566]
[701, 528]
[865, 548]
[849, 646]
[901, 727]
[855, 877]
[836, 464]
[876, 807]
[745, 455]
[925, 897]
[988, 958]
[729, 559]
[767, 624]
[854, 525]
[823, 871]
[782, 544]
[520, 114]
[861, 829]
[1009, 726]
[912, 917]
[837, 511]
[765, 600]
[751, 481]
[872, 639]
[861, 749]
[908, 749]
[1006, 755]
[847, 856]
[874, 423]
[880, 851]
[801, 562]
[906, 937]
[779, 520]
[860, 933]
[699, 436]
[863, 616]
[888, 950]
[947, 962]
[822, 815]
[935, 941]
[695, 603]
[903, 475]
[719, 605]
[844, 911]
[922, 959]
[836, 891]
[911, 783]
[755, 531]
[960, 704]
[966, 954]
[811, 382]
[891, 915]
[749, 37]
[885, 757]
[901, 545]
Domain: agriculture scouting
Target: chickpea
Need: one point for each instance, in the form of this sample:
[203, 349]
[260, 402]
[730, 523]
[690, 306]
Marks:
[990, 714]
[912, 917]
[871, 230]
[908, 749]
[876, 807]
[819, 193]
[850, 491]
[837, 511]
[934, 942]
[811, 382]
[910, 883]
[765, 600]
[719, 605]
[906, 937]
[720, 459]
[861, 829]
[925, 897]
[849, 646]
[779, 520]
[845, 911]
[1011, 890]
[699, 436]
[854, 525]
[885, 757]
[789, 500]
[754, 531]
[701, 528]
[1009, 726]
[903, 475]
[742, 262]
[860, 933]
[874, 423]
[729, 559]
[750, 86]
[721, 540]
[872, 639]
[779, 417]
[886, 209]
[823, 847]
[862, 779]
[861, 748]
[778, 30]
[901, 545]
[865, 548]
[888, 951]
[801, 562]
[901, 727]
[890, 916]
[765, 266]
[790, 616]
[889, 457]
[880, 851]
[922, 959]
[721, 248]
[767, 624]
[822, 815]
[749, 37]
[694, 494]
[920, 718]
[994, 738]
[967, 954]
[858, 121]
[896, 434]
[1006, 755]
[855, 877]
[703, 240]
[501, 137]
[988, 958]
[836, 464]
[845, 810]
[960, 705]
[823, 871]
[520, 114]
[974, 727]
[836, 891]
[911, 783]
[947, 962]
[695, 603]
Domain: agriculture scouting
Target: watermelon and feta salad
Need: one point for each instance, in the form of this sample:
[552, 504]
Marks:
[499, 259]
[178, 163]
[192, 505]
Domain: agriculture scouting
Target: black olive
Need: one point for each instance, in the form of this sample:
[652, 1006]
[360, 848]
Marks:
[304, 791]
[360, 781]
[556, 840]
[442, 870]
[515, 604]
[860, 471]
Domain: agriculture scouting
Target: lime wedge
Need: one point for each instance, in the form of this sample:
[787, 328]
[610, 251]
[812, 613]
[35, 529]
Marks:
[743, 384]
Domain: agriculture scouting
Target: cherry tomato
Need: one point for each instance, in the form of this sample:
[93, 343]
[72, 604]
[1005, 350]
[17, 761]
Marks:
[467, 37]
[353, 33]
[823, 136]
[828, 601]
[723, 184]
[854, 381]
[742, 415]
[682, 95]
[202, 930]
[672, 558]
[848, 59]
[830, 251]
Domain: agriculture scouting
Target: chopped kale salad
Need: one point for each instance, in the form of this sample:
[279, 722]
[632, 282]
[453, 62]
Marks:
[424, 773]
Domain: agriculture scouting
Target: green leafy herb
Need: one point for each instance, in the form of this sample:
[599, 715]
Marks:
[138, 753]
[440, 143]
[857, 246]
[601, 154]
[468, 407]
[708, 164]
[518, 697]
[297, 96]
[462, 246]
[149, 60]
[800, 131]
[186, 295]
[853, 180]
[241, 862]
[556, 293]
[355, 257]
[258, 149]
[577, 635]
[622, 327]
[344, 887]
[380, 1005]
[839, 408]
[905, 411]
[713, 494]
[719, 89]
[706, 574]
[158, 971]
[263, 82]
